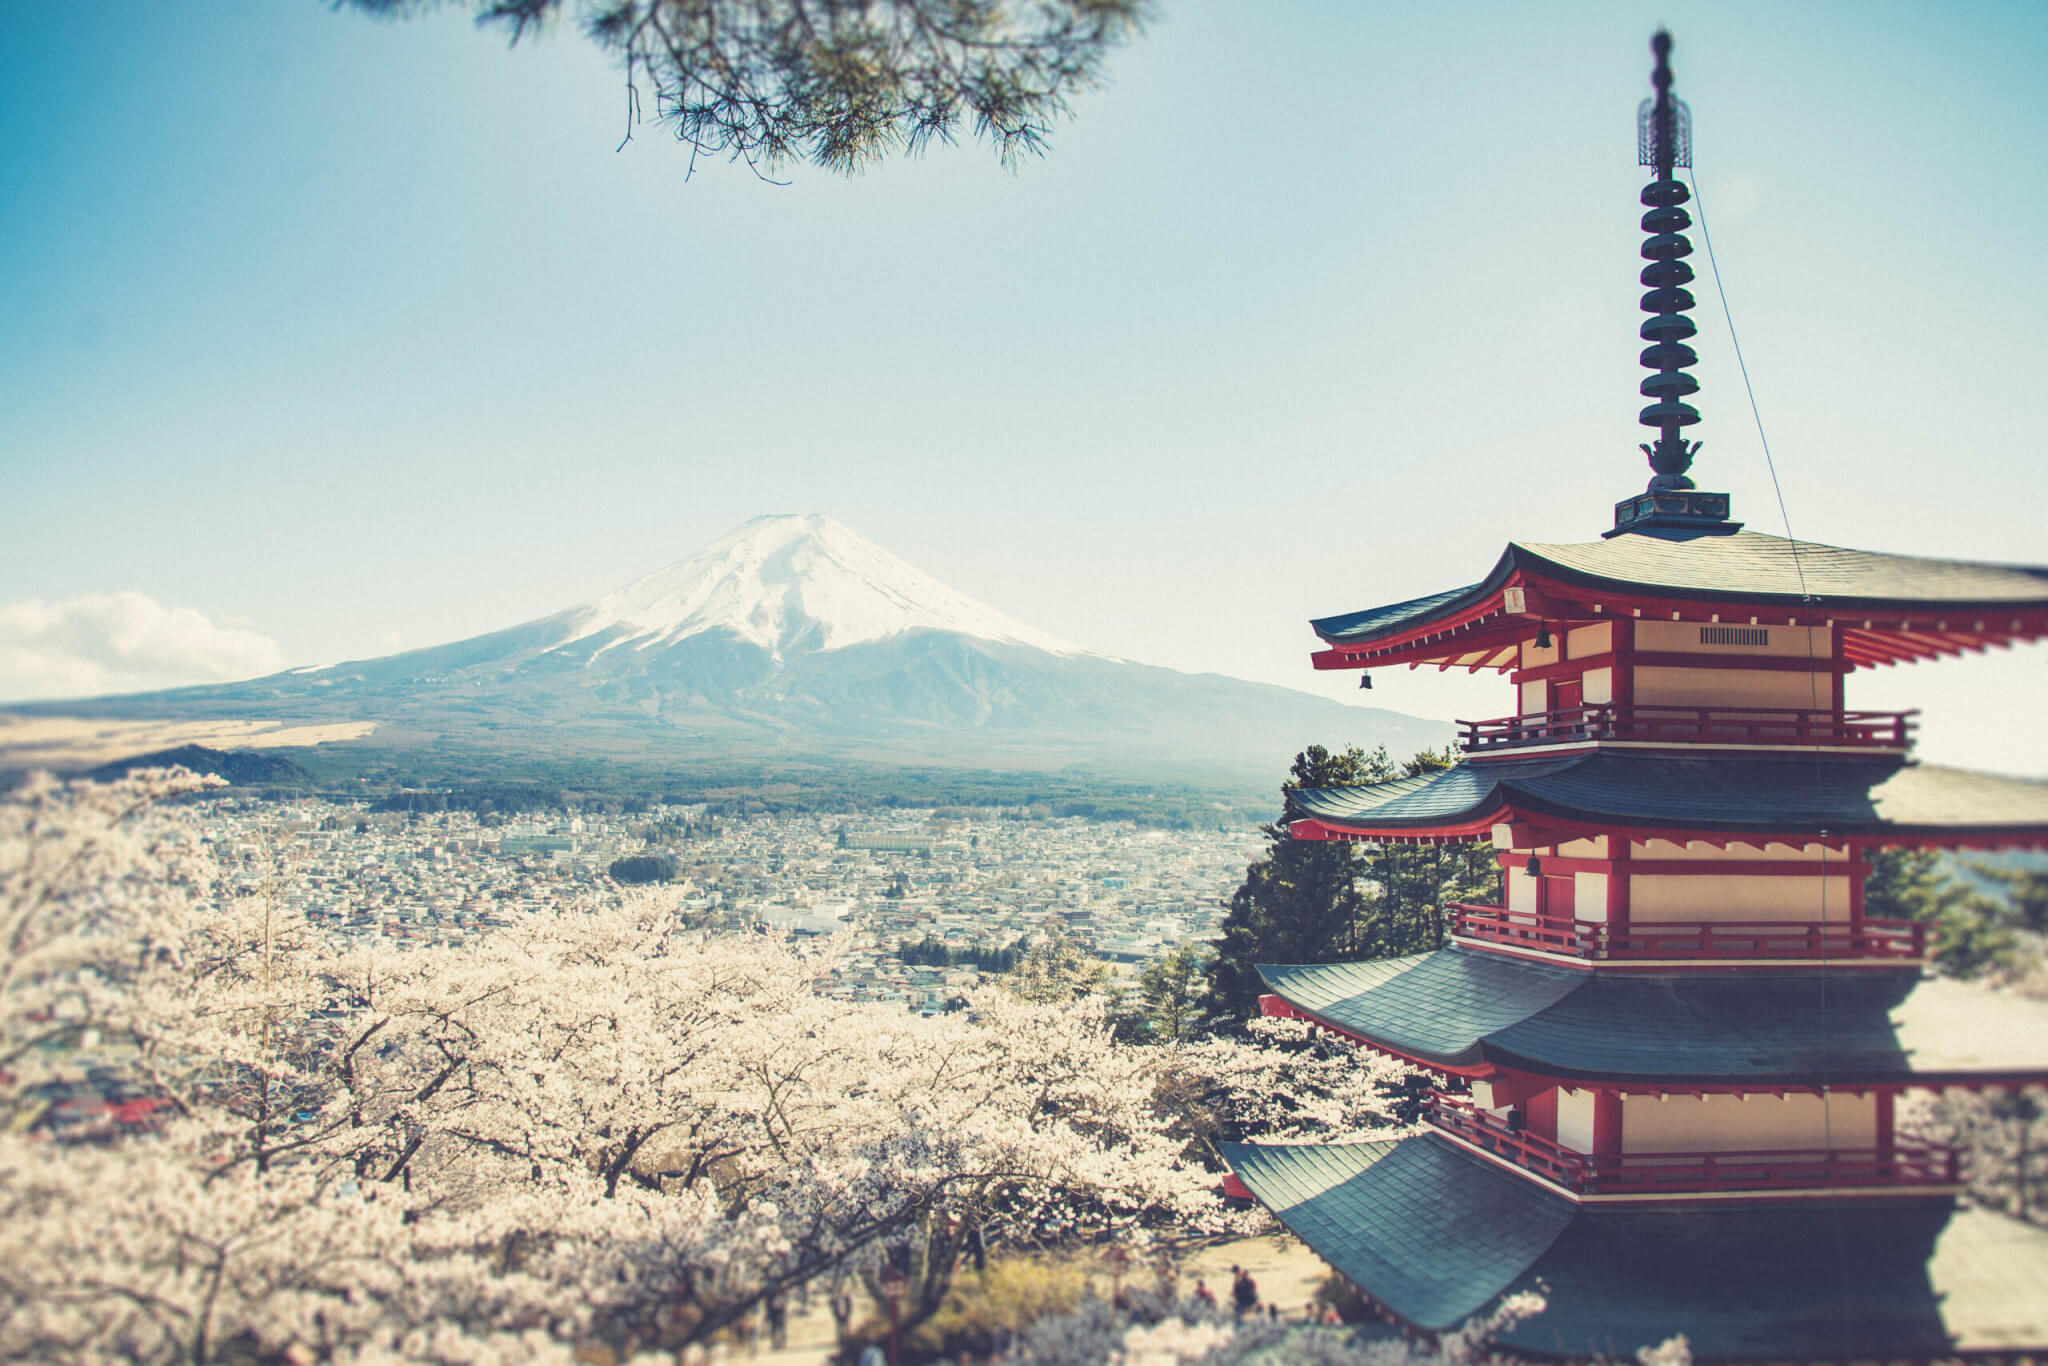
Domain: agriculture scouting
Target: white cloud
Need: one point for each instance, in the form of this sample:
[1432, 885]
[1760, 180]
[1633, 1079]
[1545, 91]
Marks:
[121, 642]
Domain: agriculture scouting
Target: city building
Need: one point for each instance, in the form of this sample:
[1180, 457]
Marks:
[1669, 1065]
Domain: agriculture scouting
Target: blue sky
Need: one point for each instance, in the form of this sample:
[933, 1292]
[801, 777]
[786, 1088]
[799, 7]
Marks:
[348, 336]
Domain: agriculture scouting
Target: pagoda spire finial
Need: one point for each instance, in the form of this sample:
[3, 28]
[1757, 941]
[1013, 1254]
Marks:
[1664, 143]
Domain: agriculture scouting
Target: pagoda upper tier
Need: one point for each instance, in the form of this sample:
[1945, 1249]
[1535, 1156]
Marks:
[1847, 608]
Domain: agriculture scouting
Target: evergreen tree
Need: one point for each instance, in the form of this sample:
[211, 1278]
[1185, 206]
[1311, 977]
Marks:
[1324, 901]
[1406, 887]
[770, 82]
[2026, 894]
[1972, 934]
[1170, 994]
[1056, 970]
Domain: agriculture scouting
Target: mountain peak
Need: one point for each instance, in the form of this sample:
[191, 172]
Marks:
[794, 583]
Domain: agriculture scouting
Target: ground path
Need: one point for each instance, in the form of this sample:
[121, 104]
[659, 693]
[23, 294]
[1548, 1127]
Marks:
[1287, 1273]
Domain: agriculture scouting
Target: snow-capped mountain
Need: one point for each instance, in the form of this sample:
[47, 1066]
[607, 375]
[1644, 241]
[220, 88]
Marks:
[789, 584]
[794, 637]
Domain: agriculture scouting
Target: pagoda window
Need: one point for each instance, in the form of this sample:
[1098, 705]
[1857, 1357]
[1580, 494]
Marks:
[1754, 1123]
[1777, 679]
[1779, 642]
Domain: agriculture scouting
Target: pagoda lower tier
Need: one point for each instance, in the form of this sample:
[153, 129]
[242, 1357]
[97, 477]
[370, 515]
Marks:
[1670, 1063]
[1436, 1233]
[1611, 1087]
[1473, 1012]
[1698, 1151]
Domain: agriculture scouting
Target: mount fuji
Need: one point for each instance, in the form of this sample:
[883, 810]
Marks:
[793, 637]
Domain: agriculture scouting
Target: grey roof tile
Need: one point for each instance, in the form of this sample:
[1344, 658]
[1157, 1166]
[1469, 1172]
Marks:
[1437, 1235]
[1752, 564]
[1461, 1007]
[1430, 1231]
[1737, 793]
[1784, 1280]
[1747, 566]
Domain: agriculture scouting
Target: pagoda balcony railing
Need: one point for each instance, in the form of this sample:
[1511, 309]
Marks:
[1885, 730]
[1890, 939]
[1900, 1165]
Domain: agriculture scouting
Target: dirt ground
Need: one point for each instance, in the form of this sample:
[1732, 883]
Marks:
[1287, 1274]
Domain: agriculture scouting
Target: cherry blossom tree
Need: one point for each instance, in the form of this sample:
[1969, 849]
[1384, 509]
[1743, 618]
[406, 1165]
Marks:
[590, 1125]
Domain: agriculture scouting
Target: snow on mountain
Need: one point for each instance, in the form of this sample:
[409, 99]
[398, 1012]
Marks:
[793, 637]
[793, 584]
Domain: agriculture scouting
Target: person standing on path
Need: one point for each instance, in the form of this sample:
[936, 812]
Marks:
[1244, 1292]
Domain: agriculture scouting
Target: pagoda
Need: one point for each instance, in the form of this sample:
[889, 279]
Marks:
[1667, 1067]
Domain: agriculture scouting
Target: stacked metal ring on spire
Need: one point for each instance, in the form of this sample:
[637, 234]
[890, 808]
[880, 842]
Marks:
[1664, 140]
[1667, 301]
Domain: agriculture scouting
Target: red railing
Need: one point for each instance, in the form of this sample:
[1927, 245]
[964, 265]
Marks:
[1902, 1164]
[1551, 1161]
[1694, 726]
[1900, 939]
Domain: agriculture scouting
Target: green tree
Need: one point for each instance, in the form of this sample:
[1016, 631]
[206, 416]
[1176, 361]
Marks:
[2026, 894]
[1056, 970]
[1323, 901]
[638, 869]
[1170, 994]
[1972, 932]
[840, 85]
[1407, 886]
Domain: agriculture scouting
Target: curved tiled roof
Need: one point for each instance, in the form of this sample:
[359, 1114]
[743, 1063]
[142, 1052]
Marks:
[1749, 564]
[1427, 1229]
[1437, 1235]
[1746, 566]
[1377, 621]
[1463, 1008]
[1739, 794]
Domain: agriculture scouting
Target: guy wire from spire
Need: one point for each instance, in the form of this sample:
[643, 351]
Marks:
[1756, 414]
[1806, 597]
